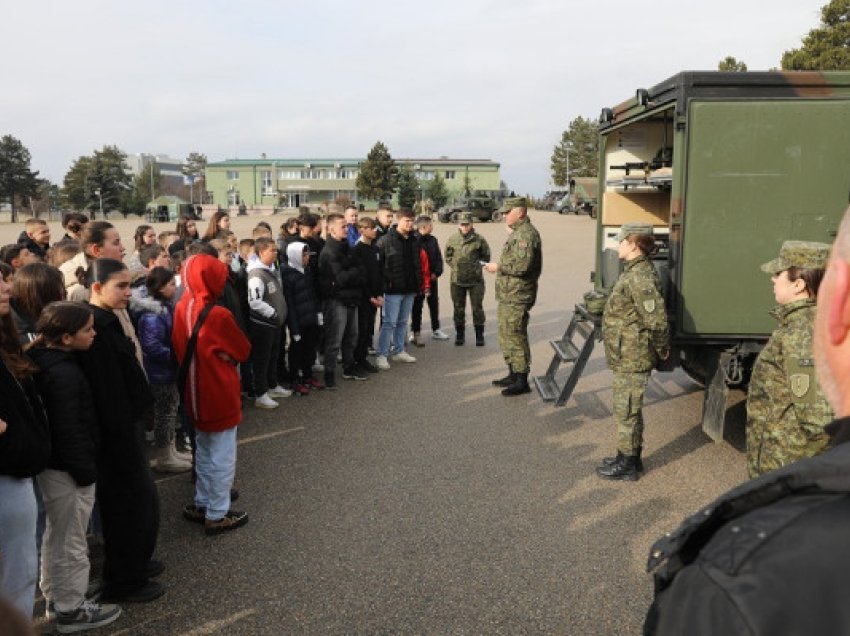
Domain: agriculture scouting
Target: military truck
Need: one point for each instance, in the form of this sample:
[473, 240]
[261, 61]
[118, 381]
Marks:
[725, 166]
[481, 207]
[581, 197]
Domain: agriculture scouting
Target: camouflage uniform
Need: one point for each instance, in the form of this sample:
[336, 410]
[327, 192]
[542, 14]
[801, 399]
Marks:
[786, 409]
[464, 254]
[636, 335]
[516, 291]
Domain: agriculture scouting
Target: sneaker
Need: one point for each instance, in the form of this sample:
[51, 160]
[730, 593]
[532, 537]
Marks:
[279, 392]
[417, 339]
[195, 514]
[403, 357]
[230, 521]
[354, 373]
[89, 615]
[367, 366]
[371, 351]
[411, 336]
[300, 389]
[330, 383]
[381, 363]
[439, 335]
[316, 385]
[265, 402]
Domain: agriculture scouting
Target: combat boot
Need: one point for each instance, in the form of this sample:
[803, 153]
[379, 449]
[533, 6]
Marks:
[460, 335]
[625, 469]
[519, 386]
[479, 335]
[609, 461]
[507, 380]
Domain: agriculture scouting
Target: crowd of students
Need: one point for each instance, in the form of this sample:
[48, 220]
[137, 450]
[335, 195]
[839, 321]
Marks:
[99, 346]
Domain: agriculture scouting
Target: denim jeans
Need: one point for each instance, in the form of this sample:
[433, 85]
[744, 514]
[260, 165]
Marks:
[215, 463]
[18, 555]
[397, 309]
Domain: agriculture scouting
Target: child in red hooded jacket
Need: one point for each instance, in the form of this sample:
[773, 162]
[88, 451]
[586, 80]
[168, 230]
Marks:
[212, 391]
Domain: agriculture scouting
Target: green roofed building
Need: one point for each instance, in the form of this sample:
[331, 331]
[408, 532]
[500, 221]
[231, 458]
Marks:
[289, 183]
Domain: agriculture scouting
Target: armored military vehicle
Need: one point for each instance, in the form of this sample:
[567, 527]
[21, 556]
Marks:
[481, 207]
[725, 166]
[581, 197]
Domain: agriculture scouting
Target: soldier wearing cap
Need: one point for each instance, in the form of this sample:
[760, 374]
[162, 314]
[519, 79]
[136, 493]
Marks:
[516, 272]
[786, 409]
[466, 250]
[636, 336]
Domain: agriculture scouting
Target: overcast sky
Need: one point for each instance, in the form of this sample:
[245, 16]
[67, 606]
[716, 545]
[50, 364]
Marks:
[482, 79]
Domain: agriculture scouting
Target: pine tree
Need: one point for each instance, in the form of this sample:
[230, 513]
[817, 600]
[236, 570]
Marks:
[437, 191]
[826, 48]
[17, 181]
[576, 152]
[378, 176]
[408, 187]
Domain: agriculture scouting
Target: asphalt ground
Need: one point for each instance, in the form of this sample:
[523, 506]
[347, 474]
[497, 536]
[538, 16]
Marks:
[423, 502]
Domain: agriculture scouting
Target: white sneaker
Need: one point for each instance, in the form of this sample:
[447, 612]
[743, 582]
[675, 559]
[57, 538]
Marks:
[280, 392]
[410, 337]
[265, 402]
[439, 335]
[381, 363]
[403, 357]
[89, 615]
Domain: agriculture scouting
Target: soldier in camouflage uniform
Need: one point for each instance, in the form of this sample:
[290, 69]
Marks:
[636, 336]
[466, 251]
[786, 409]
[516, 291]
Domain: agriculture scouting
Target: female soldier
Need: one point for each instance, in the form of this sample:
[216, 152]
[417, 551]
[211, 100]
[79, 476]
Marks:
[786, 409]
[636, 336]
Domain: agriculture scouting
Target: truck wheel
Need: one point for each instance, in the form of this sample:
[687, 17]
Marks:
[496, 216]
[453, 217]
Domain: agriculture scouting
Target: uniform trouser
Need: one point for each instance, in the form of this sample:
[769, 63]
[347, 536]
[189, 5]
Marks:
[166, 402]
[433, 309]
[129, 511]
[513, 336]
[628, 410]
[265, 348]
[18, 554]
[365, 329]
[476, 299]
[340, 333]
[215, 461]
[64, 552]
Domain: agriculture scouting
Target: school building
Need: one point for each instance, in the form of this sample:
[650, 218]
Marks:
[290, 183]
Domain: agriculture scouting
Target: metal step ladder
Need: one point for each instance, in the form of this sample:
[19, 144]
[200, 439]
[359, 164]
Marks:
[586, 329]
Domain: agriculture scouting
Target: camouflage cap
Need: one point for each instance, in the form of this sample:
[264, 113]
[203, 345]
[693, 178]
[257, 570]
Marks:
[634, 228]
[516, 202]
[464, 218]
[805, 254]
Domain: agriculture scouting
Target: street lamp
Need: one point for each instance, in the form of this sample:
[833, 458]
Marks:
[567, 148]
[100, 198]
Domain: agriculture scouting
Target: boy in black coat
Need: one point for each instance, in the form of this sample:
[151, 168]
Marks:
[369, 258]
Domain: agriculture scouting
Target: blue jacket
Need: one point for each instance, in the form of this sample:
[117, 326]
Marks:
[154, 322]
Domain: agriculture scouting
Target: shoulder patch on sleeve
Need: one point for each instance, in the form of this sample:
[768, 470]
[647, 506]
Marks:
[649, 305]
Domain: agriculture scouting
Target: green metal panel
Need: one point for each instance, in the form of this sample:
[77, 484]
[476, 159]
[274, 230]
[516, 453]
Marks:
[758, 173]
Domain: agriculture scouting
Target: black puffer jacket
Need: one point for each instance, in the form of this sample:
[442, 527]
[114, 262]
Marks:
[369, 258]
[25, 446]
[431, 245]
[340, 276]
[768, 557]
[301, 300]
[67, 398]
[402, 263]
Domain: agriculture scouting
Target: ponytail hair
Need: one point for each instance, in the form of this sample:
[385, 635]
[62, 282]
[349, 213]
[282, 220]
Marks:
[94, 233]
[101, 270]
[645, 242]
[60, 318]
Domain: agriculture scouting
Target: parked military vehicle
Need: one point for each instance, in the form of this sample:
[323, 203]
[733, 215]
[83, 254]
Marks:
[581, 197]
[482, 208]
[725, 166]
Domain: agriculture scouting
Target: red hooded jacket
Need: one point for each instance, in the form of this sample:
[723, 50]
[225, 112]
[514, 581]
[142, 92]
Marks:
[212, 394]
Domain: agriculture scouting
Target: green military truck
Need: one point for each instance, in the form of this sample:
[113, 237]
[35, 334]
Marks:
[581, 197]
[481, 207]
[725, 166]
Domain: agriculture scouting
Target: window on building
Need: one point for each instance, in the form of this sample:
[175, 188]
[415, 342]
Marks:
[267, 182]
[232, 175]
[425, 175]
[450, 174]
[290, 174]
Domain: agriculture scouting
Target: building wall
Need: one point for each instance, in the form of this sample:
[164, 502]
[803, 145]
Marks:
[292, 182]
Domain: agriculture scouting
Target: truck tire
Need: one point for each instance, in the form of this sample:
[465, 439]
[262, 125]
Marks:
[496, 217]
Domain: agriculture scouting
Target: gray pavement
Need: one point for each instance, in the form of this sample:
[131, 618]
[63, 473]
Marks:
[422, 501]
